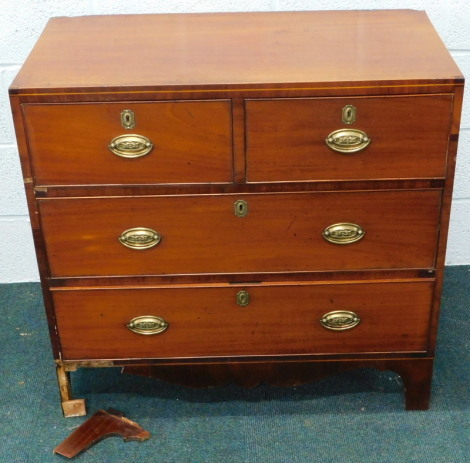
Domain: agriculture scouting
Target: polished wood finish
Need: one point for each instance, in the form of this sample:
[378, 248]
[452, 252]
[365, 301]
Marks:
[286, 138]
[35, 222]
[192, 143]
[54, 191]
[281, 233]
[208, 322]
[445, 215]
[241, 113]
[247, 278]
[103, 424]
[197, 51]
[416, 374]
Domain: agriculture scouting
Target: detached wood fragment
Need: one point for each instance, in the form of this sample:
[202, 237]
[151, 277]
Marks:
[103, 424]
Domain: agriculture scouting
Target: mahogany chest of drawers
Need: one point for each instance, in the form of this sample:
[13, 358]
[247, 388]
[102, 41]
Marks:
[240, 197]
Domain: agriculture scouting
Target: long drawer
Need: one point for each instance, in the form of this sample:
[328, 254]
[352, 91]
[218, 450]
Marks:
[130, 143]
[203, 234]
[406, 138]
[267, 320]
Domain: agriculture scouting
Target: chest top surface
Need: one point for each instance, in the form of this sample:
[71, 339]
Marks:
[223, 50]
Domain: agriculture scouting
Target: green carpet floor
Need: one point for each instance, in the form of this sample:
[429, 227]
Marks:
[353, 417]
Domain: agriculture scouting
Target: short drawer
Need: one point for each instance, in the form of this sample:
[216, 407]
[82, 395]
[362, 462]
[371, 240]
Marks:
[408, 136]
[285, 232]
[166, 142]
[277, 320]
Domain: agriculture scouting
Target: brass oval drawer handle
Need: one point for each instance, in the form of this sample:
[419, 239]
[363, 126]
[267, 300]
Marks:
[340, 320]
[140, 238]
[130, 146]
[343, 233]
[347, 141]
[148, 325]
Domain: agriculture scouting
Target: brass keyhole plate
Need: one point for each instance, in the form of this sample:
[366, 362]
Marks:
[240, 208]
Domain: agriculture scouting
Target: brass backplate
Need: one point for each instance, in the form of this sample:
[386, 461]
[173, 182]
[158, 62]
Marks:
[347, 141]
[343, 233]
[148, 325]
[140, 238]
[130, 146]
[340, 320]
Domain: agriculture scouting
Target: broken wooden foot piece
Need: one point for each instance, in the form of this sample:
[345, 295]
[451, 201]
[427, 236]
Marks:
[74, 407]
[70, 407]
[101, 425]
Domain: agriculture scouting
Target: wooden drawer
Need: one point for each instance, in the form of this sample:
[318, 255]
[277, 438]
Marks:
[279, 320]
[286, 138]
[201, 234]
[192, 142]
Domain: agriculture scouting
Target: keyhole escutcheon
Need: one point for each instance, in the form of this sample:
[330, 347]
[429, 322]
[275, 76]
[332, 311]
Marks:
[349, 114]
[240, 208]
[128, 119]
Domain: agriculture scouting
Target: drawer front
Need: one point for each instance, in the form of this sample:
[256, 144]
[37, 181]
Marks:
[203, 234]
[278, 320]
[191, 142]
[286, 138]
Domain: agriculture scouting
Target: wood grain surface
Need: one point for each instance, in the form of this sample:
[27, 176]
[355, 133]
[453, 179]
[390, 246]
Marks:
[416, 374]
[279, 320]
[192, 143]
[201, 234]
[285, 138]
[347, 48]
